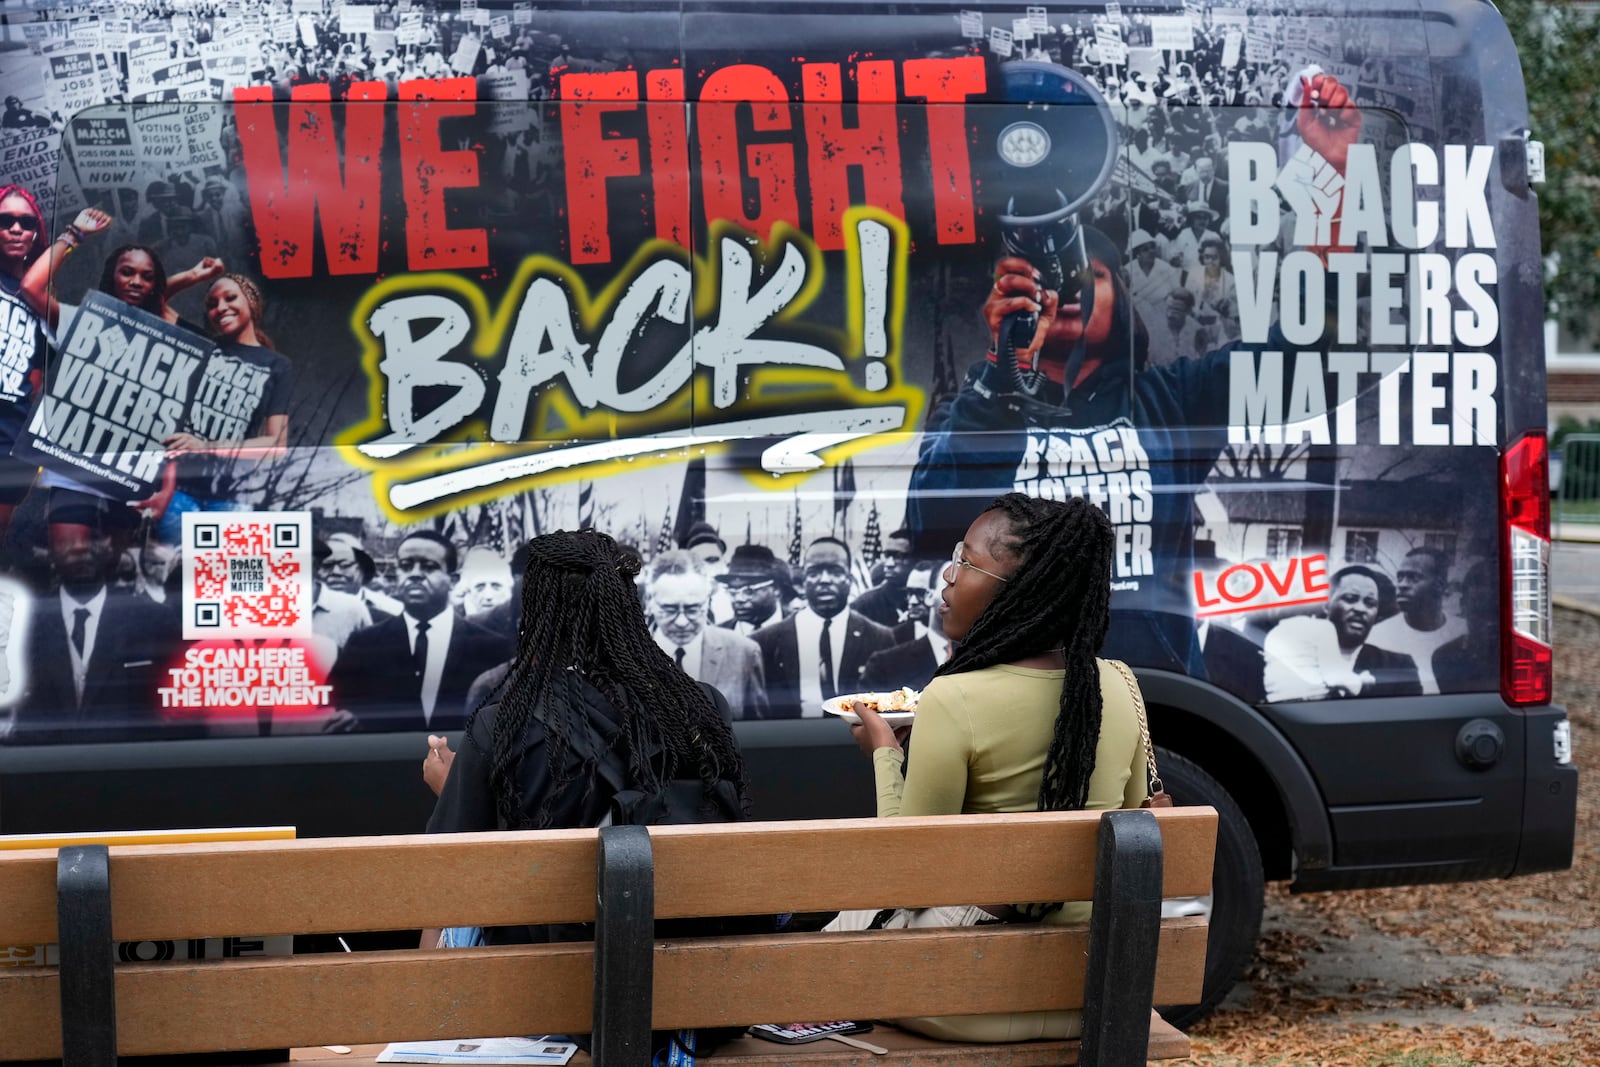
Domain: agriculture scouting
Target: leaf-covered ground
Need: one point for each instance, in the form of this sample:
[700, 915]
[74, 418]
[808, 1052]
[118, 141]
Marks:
[1498, 974]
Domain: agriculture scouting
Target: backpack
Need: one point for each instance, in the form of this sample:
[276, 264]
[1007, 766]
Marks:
[682, 802]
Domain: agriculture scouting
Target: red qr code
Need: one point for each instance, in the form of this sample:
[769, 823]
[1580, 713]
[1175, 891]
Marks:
[210, 575]
[248, 539]
[247, 582]
[277, 608]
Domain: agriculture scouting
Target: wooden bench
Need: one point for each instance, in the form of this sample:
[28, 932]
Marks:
[86, 898]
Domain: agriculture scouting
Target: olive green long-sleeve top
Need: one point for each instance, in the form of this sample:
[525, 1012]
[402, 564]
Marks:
[980, 744]
[981, 740]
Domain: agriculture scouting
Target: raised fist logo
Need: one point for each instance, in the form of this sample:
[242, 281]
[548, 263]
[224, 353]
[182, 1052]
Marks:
[1314, 189]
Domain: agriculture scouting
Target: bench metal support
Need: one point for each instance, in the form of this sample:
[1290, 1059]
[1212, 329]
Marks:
[624, 944]
[88, 957]
[1124, 932]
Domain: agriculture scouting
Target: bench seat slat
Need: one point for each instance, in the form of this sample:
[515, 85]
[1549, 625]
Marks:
[393, 883]
[905, 1050]
[391, 996]
[913, 1050]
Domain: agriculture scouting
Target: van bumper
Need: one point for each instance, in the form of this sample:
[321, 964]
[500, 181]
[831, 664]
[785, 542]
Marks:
[1544, 836]
[1550, 798]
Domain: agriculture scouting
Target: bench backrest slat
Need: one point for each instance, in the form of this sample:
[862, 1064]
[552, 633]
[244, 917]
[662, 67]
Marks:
[331, 885]
[393, 883]
[878, 863]
[389, 996]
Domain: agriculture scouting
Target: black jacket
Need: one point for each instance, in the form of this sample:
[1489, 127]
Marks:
[134, 641]
[780, 661]
[372, 679]
[909, 664]
[1394, 674]
[467, 802]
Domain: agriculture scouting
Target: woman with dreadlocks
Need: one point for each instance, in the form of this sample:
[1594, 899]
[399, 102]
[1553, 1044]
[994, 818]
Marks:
[1023, 716]
[588, 682]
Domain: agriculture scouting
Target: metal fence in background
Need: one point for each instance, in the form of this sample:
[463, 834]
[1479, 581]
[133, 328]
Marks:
[1578, 479]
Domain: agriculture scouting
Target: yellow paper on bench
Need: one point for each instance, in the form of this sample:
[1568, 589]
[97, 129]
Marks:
[148, 837]
[147, 951]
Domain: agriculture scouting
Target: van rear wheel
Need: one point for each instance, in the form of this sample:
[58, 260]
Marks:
[1237, 887]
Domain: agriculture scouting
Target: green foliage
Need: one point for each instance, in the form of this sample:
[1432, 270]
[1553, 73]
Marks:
[1568, 425]
[1558, 41]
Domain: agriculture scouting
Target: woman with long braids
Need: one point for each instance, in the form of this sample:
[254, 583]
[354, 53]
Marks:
[588, 680]
[1022, 717]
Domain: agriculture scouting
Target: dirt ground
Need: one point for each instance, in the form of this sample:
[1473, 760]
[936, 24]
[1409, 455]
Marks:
[1495, 973]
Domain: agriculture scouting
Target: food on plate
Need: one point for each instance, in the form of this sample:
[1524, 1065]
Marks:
[902, 699]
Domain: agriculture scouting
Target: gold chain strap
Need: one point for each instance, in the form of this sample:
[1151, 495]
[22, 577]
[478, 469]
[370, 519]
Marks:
[1144, 727]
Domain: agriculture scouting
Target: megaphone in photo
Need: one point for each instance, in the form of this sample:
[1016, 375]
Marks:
[1054, 144]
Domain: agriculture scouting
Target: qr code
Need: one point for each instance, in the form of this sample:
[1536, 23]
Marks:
[248, 575]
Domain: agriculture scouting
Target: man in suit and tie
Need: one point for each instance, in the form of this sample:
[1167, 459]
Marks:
[758, 587]
[334, 615]
[921, 594]
[819, 652]
[679, 594]
[96, 656]
[1207, 188]
[413, 672]
[922, 649]
[350, 568]
[885, 602]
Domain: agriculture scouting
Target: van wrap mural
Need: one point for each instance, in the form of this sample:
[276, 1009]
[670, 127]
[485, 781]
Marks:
[353, 299]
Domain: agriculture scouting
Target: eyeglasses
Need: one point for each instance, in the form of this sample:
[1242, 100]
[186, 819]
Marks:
[27, 222]
[959, 558]
[668, 612]
[751, 589]
[337, 565]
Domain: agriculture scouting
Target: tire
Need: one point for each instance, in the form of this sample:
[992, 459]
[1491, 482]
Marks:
[1237, 886]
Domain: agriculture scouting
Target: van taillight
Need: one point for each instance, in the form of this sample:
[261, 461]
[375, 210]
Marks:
[1526, 668]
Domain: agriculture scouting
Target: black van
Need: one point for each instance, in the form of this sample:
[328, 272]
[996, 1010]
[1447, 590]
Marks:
[349, 300]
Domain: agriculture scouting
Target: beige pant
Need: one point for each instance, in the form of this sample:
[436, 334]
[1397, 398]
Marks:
[910, 919]
[979, 1029]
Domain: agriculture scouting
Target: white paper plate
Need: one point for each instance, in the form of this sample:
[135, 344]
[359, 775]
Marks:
[840, 706]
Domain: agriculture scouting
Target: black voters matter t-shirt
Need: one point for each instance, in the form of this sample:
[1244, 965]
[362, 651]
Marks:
[21, 351]
[241, 387]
